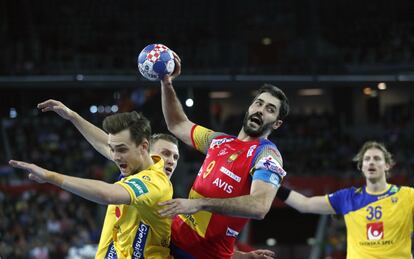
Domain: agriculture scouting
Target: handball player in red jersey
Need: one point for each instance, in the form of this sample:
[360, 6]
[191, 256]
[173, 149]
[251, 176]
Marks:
[238, 180]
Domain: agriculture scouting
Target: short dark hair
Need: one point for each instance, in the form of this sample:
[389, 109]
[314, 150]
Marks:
[138, 125]
[167, 137]
[279, 94]
[373, 144]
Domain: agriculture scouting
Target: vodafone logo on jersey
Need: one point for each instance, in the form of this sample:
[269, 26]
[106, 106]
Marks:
[375, 231]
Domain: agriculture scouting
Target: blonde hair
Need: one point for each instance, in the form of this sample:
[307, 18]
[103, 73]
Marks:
[358, 158]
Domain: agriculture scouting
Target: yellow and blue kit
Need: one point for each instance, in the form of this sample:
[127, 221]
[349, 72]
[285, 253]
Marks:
[379, 225]
[136, 230]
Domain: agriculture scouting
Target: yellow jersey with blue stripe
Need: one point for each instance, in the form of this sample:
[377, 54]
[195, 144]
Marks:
[379, 225]
[136, 230]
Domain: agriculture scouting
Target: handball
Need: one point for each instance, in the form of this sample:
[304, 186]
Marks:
[155, 61]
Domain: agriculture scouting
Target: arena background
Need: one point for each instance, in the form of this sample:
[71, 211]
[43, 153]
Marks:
[346, 66]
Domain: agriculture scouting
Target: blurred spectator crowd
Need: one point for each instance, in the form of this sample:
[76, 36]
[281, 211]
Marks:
[265, 37]
[47, 224]
[38, 221]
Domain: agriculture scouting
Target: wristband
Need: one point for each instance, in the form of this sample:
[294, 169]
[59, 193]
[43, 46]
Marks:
[283, 193]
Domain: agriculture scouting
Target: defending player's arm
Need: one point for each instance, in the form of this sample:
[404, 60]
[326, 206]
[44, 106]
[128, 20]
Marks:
[93, 190]
[94, 135]
[177, 121]
[315, 204]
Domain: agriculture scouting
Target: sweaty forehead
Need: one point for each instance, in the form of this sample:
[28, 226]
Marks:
[269, 99]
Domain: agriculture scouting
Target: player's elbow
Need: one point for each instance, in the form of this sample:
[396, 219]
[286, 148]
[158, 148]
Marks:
[259, 215]
[259, 205]
[261, 211]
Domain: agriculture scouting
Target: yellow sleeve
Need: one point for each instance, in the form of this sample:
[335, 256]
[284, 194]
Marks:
[143, 192]
[329, 202]
[202, 137]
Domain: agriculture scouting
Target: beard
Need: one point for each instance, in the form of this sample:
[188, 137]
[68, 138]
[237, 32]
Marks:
[256, 132]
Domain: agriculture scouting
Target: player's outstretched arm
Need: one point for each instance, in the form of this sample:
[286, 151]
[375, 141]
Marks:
[177, 121]
[255, 205]
[94, 135]
[315, 204]
[93, 190]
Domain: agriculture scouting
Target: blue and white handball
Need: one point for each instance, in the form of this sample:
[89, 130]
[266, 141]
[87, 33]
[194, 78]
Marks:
[155, 61]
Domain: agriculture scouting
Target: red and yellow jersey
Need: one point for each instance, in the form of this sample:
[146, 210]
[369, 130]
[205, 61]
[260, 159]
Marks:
[137, 230]
[379, 225]
[227, 172]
